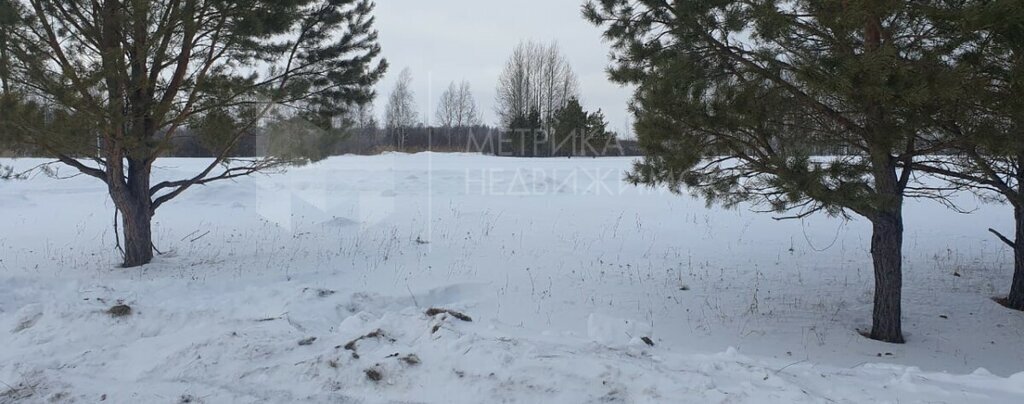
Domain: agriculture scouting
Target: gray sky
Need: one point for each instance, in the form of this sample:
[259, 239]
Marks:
[446, 40]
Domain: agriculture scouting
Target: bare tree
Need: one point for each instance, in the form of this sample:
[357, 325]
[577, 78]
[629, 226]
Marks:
[446, 107]
[457, 108]
[362, 117]
[537, 78]
[468, 114]
[400, 114]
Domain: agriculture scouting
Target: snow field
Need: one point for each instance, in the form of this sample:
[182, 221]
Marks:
[562, 267]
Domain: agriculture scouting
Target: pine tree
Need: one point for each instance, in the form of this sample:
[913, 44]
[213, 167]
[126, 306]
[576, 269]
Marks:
[598, 140]
[734, 95]
[107, 84]
[986, 126]
[8, 21]
[526, 135]
[570, 124]
[577, 132]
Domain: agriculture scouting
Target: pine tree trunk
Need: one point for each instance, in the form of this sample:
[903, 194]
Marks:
[138, 237]
[887, 255]
[887, 250]
[135, 205]
[5, 73]
[1016, 298]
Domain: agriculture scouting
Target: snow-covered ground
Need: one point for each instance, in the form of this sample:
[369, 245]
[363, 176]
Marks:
[265, 282]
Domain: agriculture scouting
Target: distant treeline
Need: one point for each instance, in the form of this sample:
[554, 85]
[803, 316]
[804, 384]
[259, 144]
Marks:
[482, 139]
[369, 141]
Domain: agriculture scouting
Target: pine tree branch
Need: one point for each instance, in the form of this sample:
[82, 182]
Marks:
[1005, 239]
[84, 169]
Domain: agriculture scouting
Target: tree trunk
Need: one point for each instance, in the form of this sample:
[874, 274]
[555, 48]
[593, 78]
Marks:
[135, 205]
[5, 87]
[138, 236]
[887, 255]
[887, 247]
[1016, 298]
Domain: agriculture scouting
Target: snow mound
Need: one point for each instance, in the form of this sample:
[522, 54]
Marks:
[329, 346]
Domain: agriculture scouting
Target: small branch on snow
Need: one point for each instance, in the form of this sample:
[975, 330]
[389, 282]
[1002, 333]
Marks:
[412, 296]
[189, 235]
[776, 372]
[200, 236]
[436, 311]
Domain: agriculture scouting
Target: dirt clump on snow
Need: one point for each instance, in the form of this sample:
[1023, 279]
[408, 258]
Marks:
[351, 345]
[435, 311]
[374, 375]
[120, 310]
[410, 359]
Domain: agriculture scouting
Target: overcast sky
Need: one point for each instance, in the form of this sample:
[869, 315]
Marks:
[446, 40]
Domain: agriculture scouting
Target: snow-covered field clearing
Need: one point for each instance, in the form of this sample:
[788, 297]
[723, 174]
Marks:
[562, 267]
